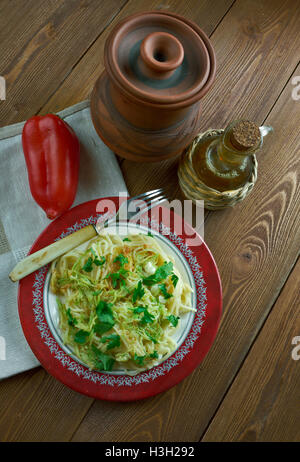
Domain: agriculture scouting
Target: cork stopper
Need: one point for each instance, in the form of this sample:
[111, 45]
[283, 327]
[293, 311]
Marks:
[245, 135]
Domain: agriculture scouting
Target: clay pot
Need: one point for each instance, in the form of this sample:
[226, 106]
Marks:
[146, 104]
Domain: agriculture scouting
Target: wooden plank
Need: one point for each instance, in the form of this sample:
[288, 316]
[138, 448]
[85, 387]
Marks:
[31, 407]
[43, 60]
[26, 23]
[80, 81]
[250, 246]
[263, 402]
[34, 406]
[252, 39]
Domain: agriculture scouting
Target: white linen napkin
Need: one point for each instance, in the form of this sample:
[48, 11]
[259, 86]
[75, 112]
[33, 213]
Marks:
[22, 220]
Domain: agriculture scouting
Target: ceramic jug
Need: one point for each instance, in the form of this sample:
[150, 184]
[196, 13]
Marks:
[146, 105]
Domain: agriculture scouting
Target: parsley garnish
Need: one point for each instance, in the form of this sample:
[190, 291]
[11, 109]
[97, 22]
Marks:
[150, 234]
[175, 279]
[114, 341]
[101, 327]
[139, 359]
[173, 319]
[138, 292]
[96, 293]
[121, 259]
[139, 309]
[126, 239]
[71, 320]
[105, 316]
[88, 266]
[164, 291]
[93, 261]
[160, 274]
[150, 337]
[147, 317]
[154, 355]
[98, 262]
[81, 336]
[118, 277]
[102, 361]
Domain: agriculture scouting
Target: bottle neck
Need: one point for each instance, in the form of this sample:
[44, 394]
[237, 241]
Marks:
[222, 159]
[239, 140]
[227, 155]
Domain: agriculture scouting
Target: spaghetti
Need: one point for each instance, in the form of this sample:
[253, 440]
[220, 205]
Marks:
[120, 301]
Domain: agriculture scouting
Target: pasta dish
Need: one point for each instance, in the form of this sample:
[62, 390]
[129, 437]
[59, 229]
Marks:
[120, 301]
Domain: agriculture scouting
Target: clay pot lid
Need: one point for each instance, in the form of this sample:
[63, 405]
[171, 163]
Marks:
[160, 58]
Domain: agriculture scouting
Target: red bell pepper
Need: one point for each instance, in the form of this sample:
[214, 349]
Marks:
[51, 150]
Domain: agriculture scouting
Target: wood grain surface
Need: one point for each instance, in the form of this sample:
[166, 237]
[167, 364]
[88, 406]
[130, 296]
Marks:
[249, 244]
[79, 83]
[260, 403]
[46, 53]
[246, 388]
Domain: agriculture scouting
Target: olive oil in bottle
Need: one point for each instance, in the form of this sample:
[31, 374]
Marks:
[223, 162]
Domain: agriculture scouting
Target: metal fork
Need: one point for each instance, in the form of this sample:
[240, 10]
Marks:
[44, 256]
[147, 201]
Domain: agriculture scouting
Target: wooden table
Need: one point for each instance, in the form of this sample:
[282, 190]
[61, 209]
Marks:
[247, 388]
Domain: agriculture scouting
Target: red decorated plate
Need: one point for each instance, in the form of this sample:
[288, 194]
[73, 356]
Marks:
[39, 319]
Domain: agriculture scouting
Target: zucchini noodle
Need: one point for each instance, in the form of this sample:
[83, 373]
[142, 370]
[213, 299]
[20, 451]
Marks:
[119, 301]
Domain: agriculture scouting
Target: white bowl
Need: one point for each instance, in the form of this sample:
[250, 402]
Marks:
[186, 320]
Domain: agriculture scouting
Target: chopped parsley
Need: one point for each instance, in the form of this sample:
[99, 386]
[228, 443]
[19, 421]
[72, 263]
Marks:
[147, 317]
[164, 291]
[175, 279]
[138, 292]
[88, 266]
[173, 319]
[139, 359]
[139, 309]
[160, 274]
[154, 355]
[113, 341]
[103, 361]
[105, 319]
[121, 259]
[71, 320]
[118, 277]
[98, 262]
[96, 293]
[81, 336]
[150, 337]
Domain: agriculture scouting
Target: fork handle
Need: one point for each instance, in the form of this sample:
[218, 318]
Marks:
[44, 256]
